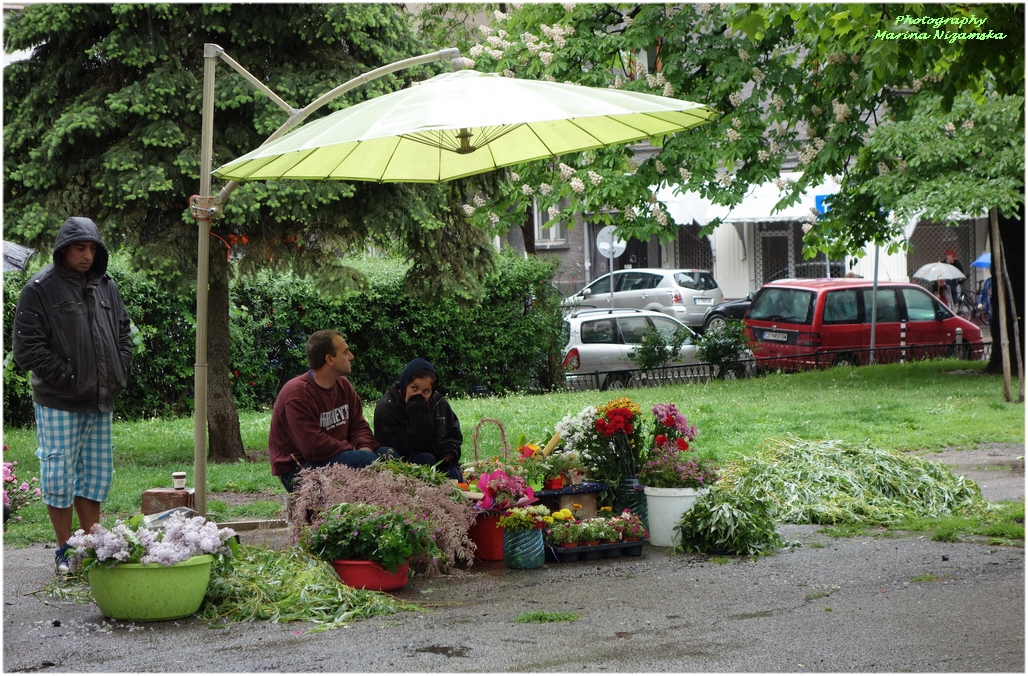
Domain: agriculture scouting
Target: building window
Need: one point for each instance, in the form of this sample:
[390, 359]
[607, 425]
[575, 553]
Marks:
[548, 238]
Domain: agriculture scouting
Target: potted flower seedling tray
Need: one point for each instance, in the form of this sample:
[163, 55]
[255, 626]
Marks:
[610, 550]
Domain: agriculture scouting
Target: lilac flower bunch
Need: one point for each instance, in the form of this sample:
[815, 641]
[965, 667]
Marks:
[180, 539]
[18, 494]
[667, 466]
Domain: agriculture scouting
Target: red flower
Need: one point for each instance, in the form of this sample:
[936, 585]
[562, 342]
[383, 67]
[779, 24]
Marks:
[669, 421]
[682, 444]
[660, 440]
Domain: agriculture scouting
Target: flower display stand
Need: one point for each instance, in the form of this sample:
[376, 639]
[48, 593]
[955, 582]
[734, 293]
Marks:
[582, 494]
[487, 536]
[147, 592]
[611, 550]
[369, 575]
[665, 507]
[523, 548]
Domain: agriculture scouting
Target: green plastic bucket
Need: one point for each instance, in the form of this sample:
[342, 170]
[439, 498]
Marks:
[147, 592]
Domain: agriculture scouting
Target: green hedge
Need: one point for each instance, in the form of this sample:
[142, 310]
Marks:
[511, 341]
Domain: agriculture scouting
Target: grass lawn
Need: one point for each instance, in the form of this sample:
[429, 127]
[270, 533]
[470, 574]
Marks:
[901, 407]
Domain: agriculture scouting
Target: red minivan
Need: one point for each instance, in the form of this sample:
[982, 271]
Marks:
[805, 323]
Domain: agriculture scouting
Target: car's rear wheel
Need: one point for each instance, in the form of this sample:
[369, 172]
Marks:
[846, 360]
[716, 322]
[617, 381]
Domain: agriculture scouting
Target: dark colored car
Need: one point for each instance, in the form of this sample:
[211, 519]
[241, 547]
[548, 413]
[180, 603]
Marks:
[733, 309]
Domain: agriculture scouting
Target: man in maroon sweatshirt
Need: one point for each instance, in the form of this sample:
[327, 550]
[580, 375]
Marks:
[318, 419]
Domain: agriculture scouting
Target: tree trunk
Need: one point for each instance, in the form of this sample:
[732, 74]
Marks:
[1011, 233]
[226, 443]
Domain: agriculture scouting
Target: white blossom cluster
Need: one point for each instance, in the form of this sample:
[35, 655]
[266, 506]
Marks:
[732, 134]
[468, 209]
[595, 178]
[578, 185]
[763, 155]
[883, 168]
[726, 179]
[566, 172]
[577, 432]
[617, 82]
[507, 72]
[811, 150]
[554, 212]
[493, 218]
[500, 16]
[568, 6]
[685, 174]
[514, 177]
[778, 102]
[703, 8]
[743, 54]
[546, 57]
[841, 110]
[758, 75]
[479, 200]
[498, 42]
[655, 80]
[735, 99]
[629, 21]
[836, 57]
[527, 190]
[659, 166]
[659, 214]
[629, 213]
[669, 90]
[968, 124]
[816, 111]
[545, 188]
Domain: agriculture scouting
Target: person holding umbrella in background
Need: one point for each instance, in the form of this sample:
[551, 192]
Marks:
[954, 284]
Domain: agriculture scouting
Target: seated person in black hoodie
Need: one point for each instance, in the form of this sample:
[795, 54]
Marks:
[415, 420]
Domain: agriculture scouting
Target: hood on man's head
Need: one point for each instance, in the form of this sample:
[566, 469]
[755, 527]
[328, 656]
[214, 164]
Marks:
[414, 366]
[81, 229]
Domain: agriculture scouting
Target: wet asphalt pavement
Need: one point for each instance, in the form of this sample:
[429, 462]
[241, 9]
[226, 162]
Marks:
[865, 603]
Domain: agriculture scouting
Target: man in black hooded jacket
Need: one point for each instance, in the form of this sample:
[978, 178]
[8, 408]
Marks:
[415, 420]
[72, 331]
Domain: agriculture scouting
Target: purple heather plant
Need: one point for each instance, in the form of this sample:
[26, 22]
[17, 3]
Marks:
[668, 421]
[668, 467]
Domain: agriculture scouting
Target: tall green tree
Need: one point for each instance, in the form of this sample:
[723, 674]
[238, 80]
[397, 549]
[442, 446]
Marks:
[104, 121]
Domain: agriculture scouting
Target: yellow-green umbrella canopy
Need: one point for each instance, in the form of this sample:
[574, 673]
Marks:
[460, 124]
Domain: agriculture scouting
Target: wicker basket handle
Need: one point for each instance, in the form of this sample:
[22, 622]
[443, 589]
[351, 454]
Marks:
[503, 436]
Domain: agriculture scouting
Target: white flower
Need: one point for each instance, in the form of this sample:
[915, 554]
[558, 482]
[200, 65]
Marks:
[732, 134]
[949, 127]
[494, 218]
[883, 168]
[568, 6]
[514, 177]
[778, 102]
[968, 124]
[735, 99]
[901, 166]
[496, 54]
[534, 47]
[546, 57]
[629, 21]
[842, 111]
[726, 179]
[659, 215]
[743, 54]
[775, 147]
[507, 72]
[578, 185]
[669, 90]
[468, 209]
[529, 38]
[486, 30]
[816, 110]
[660, 166]
[500, 16]
[917, 85]
[479, 200]
[545, 188]
[685, 174]
[527, 190]
[629, 213]
[779, 183]
[758, 75]
[566, 172]
[617, 82]
[554, 212]
[502, 33]
[703, 8]
[494, 40]
[477, 50]
[763, 155]
[595, 178]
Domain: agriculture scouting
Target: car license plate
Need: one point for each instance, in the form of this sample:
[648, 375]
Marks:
[779, 336]
[703, 301]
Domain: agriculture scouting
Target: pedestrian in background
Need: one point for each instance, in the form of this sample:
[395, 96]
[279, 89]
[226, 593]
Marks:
[954, 284]
[72, 332]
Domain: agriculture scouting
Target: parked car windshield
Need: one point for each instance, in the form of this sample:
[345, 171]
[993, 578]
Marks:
[795, 306]
[698, 281]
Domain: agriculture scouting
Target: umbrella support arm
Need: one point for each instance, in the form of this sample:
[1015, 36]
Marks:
[205, 208]
[297, 116]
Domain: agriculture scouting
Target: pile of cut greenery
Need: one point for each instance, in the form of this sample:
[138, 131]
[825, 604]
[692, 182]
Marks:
[821, 482]
[290, 586]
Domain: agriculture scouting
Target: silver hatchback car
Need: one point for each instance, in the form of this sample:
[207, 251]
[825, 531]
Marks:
[685, 295]
[600, 340]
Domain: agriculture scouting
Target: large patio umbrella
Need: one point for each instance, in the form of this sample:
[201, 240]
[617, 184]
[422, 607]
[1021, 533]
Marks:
[460, 124]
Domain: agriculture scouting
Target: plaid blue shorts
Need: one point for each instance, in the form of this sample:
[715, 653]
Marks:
[76, 455]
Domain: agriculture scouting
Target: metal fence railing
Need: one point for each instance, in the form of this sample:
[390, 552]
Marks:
[702, 373]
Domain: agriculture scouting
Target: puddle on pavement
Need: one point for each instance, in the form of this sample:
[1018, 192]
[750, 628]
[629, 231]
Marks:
[445, 650]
